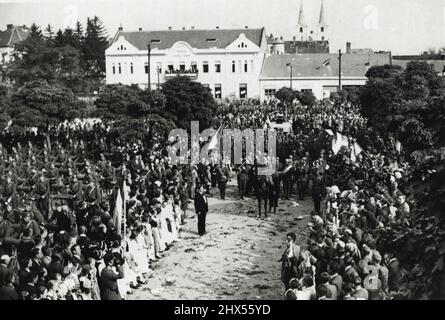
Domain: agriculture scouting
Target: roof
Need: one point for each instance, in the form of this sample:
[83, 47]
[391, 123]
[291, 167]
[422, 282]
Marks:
[12, 36]
[312, 65]
[195, 38]
[439, 65]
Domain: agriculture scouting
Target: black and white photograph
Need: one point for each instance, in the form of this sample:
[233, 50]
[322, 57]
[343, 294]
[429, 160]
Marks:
[222, 150]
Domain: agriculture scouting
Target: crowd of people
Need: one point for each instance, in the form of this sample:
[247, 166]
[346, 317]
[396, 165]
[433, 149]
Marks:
[354, 197]
[61, 222]
[62, 234]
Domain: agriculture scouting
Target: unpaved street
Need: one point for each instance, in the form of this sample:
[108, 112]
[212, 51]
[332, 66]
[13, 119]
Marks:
[236, 259]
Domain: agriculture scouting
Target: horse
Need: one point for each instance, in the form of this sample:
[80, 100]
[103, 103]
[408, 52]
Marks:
[263, 188]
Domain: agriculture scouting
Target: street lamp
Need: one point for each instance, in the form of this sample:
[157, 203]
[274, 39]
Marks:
[290, 77]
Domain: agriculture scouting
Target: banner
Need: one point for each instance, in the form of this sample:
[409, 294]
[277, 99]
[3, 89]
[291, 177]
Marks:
[214, 141]
[338, 142]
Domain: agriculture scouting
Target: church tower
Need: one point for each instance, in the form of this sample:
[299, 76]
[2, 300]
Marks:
[302, 25]
[322, 25]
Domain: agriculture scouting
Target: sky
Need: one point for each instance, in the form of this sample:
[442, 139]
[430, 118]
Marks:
[402, 26]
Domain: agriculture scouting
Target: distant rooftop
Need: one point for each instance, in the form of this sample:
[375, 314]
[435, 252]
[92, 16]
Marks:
[13, 35]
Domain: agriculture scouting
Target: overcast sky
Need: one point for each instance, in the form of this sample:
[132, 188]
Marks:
[403, 26]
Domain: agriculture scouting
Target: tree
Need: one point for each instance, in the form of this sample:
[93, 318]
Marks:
[94, 45]
[188, 101]
[40, 104]
[306, 98]
[413, 101]
[286, 95]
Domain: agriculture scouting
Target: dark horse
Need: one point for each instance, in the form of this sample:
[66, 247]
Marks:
[263, 186]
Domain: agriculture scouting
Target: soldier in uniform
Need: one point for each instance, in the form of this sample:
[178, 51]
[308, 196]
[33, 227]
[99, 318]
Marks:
[42, 192]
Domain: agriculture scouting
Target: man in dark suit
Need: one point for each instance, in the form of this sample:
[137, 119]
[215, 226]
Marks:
[201, 208]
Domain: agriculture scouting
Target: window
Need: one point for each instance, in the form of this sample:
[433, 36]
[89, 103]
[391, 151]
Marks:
[120, 69]
[217, 67]
[217, 91]
[194, 66]
[322, 29]
[159, 67]
[243, 90]
[306, 90]
[170, 68]
[245, 66]
[146, 68]
[301, 30]
[205, 67]
[114, 69]
[131, 67]
[211, 40]
[233, 66]
[270, 92]
[182, 66]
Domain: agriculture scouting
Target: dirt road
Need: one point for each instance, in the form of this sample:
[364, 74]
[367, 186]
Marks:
[236, 259]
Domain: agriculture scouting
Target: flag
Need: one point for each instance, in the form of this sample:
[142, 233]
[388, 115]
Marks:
[119, 211]
[356, 150]
[338, 142]
[327, 62]
[214, 141]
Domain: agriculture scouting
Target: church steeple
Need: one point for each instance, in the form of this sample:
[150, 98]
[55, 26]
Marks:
[302, 26]
[321, 21]
[322, 25]
[301, 17]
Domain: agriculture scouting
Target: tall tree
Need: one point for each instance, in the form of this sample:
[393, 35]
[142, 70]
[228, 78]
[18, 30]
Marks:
[93, 47]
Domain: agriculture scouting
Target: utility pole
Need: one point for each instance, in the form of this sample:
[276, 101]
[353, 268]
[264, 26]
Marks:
[148, 67]
[290, 76]
[339, 70]
[159, 71]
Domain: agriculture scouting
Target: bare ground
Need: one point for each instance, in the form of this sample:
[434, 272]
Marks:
[236, 259]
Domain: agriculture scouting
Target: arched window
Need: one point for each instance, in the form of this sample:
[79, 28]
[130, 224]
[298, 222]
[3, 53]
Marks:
[131, 67]
[322, 29]
[120, 68]
[233, 66]
[301, 29]
[114, 68]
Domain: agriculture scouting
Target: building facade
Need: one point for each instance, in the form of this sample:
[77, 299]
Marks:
[228, 62]
[318, 73]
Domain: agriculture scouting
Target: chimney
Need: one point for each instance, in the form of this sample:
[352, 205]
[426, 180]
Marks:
[9, 27]
[348, 47]
[217, 27]
[169, 28]
[140, 29]
[193, 27]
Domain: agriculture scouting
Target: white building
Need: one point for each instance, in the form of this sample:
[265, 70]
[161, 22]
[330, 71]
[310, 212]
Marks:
[316, 72]
[229, 62]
